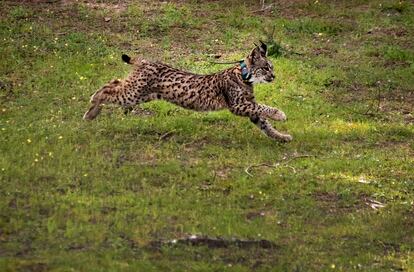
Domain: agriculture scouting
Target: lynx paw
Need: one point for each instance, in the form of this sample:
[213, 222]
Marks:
[285, 138]
[279, 116]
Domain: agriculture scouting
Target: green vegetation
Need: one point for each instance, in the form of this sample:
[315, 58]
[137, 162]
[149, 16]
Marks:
[93, 196]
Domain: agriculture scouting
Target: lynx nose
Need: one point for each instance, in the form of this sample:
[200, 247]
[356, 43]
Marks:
[270, 78]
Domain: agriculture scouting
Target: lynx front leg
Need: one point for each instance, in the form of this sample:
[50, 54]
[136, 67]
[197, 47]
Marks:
[273, 113]
[248, 108]
[267, 129]
[257, 114]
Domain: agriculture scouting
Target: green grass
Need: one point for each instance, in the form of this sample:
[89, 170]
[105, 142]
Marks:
[92, 196]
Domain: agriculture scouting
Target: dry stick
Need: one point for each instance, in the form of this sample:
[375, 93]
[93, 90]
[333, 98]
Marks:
[258, 165]
[263, 9]
[165, 135]
[374, 204]
[277, 164]
[379, 99]
[189, 143]
[298, 157]
[291, 167]
[192, 142]
[367, 112]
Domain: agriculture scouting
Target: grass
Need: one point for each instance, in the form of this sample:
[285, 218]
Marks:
[89, 196]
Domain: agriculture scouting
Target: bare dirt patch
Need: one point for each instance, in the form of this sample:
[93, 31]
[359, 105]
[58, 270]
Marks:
[254, 214]
[392, 31]
[116, 8]
[333, 204]
[377, 98]
[34, 267]
[291, 9]
[325, 51]
[214, 242]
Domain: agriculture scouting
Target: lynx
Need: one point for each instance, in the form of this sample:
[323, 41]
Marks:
[230, 89]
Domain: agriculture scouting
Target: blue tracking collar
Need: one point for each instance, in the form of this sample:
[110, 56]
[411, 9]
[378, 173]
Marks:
[245, 73]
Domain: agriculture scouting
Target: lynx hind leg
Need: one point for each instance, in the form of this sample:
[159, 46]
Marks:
[267, 129]
[107, 94]
[92, 112]
[96, 107]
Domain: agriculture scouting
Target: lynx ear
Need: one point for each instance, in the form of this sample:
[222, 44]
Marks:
[258, 52]
[263, 49]
[126, 59]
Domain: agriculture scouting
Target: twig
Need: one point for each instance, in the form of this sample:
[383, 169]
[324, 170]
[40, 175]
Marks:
[264, 8]
[366, 113]
[284, 162]
[292, 52]
[298, 157]
[291, 167]
[374, 204]
[258, 165]
[189, 143]
[379, 99]
[165, 135]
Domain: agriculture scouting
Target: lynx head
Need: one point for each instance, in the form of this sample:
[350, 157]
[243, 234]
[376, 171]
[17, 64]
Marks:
[261, 69]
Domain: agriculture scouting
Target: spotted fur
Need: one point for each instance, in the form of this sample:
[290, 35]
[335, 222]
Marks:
[223, 90]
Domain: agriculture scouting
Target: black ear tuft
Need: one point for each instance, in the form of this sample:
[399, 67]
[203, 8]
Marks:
[126, 58]
[263, 48]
